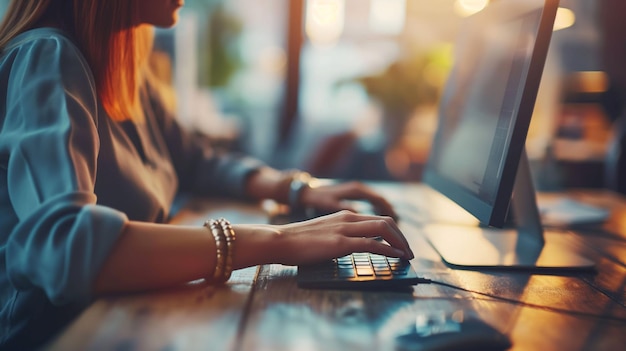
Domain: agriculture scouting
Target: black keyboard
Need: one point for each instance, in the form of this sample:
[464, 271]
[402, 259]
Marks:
[358, 271]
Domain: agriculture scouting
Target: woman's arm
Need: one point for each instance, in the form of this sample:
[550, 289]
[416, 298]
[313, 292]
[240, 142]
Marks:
[54, 236]
[205, 171]
[150, 256]
[268, 183]
[201, 168]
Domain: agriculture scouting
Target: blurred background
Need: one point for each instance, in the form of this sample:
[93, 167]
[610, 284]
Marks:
[349, 88]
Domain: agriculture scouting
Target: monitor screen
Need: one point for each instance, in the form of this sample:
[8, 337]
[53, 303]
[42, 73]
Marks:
[478, 158]
[487, 104]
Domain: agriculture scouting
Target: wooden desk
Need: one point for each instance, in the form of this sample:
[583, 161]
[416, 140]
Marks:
[261, 308]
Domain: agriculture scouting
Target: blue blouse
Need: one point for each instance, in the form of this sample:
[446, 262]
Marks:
[70, 178]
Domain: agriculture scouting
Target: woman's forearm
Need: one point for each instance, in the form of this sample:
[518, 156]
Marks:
[151, 256]
[266, 183]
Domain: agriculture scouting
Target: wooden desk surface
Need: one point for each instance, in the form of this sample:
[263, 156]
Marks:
[261, 308]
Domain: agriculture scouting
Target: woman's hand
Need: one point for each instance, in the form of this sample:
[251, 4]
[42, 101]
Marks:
[318, 239]
[332, 198]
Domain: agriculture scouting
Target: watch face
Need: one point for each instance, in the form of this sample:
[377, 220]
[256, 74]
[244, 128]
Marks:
[299, 182]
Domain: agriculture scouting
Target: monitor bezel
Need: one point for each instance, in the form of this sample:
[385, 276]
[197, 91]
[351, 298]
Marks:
[495, 214]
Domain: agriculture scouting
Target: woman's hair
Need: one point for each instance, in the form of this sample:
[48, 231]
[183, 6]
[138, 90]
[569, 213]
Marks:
[108, 34]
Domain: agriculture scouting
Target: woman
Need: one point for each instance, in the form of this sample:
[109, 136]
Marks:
[90, 160]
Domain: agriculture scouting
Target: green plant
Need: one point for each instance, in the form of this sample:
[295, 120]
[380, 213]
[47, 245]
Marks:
[222, 46]
[413, 80]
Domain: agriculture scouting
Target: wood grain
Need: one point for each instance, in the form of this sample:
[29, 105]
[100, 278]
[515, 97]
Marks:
[263, 309]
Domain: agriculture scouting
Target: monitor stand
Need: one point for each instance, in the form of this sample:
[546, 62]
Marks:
[526, 247]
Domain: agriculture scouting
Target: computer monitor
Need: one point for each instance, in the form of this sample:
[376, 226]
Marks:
[478, 157]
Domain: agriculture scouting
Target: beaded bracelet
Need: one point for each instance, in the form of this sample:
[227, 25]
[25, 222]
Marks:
[229, 233]
[220, 247]
[224, 237]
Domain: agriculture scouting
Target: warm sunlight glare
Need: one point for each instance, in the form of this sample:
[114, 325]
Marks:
[565, 18]
[387, 16]
[324, 21]
[466, 8]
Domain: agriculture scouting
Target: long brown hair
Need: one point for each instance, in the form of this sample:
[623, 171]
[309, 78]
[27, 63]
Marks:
[107, 32]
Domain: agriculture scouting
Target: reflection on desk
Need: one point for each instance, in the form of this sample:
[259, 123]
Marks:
[261, 308]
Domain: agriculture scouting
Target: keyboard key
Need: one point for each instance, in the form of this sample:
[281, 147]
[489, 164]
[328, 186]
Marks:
[364, 271]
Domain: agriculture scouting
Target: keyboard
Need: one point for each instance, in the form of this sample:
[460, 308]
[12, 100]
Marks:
[358, 271]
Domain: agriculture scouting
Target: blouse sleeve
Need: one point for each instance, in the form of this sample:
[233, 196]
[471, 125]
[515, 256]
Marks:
[62, 236]
[200, 167]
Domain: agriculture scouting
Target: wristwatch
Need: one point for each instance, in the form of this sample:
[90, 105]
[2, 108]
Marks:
[299, 182]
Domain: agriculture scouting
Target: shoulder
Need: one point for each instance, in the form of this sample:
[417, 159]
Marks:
[49, 41]
[48, 52]
[47, 58]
